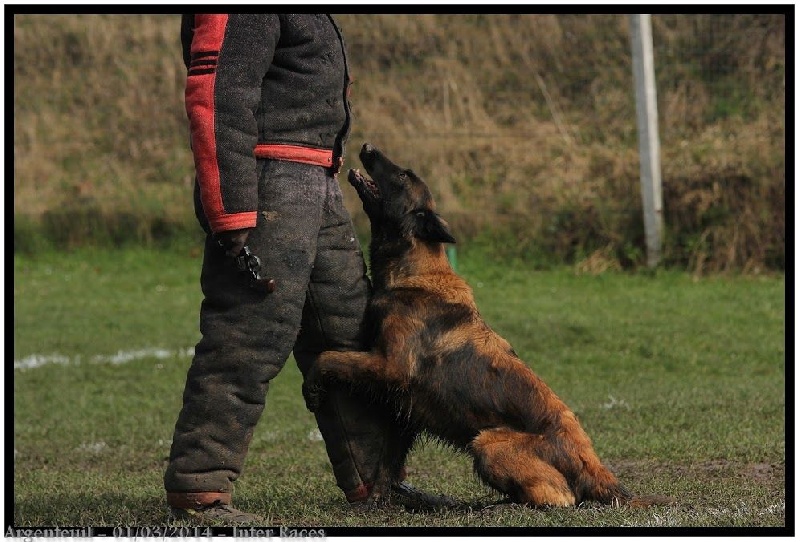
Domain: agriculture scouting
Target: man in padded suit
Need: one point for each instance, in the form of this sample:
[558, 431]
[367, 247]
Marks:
[267, 101]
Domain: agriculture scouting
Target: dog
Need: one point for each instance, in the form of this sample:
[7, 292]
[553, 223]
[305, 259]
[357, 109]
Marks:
[447, 372]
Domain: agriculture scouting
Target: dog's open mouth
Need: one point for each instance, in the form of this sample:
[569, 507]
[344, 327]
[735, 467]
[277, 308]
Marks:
[367, 190]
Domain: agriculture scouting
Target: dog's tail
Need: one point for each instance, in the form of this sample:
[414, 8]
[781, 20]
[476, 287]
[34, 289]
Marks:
[644, 501]
[616, 494]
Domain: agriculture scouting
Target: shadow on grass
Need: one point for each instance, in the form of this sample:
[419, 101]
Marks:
[710, 494]
[104, 509]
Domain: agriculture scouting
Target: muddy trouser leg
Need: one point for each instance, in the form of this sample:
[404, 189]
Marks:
[247, 337]
[354, 431]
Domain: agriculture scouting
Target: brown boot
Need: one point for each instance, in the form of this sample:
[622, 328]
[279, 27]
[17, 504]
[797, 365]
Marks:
[208, 508]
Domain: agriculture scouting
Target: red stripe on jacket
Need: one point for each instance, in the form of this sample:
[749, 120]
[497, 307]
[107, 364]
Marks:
[209, 33]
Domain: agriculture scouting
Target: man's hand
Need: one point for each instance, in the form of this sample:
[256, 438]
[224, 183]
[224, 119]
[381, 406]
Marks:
[233, 241]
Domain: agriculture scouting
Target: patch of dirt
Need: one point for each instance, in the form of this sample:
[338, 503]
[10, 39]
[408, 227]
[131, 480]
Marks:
[764, 471]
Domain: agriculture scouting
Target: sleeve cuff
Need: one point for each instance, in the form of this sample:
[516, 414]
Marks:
[238, 221]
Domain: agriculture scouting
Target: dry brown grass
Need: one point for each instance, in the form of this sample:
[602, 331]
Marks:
[523, 125]
[97, 110]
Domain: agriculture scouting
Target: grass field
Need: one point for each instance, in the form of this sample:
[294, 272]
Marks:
[680, 382]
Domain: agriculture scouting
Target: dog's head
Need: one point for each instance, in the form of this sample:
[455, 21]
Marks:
[397, 202]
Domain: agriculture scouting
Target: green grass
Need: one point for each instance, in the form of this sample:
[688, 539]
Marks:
[680, 383]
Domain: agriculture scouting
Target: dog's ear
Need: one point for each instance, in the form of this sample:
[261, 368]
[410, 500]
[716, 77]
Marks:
[431, 227]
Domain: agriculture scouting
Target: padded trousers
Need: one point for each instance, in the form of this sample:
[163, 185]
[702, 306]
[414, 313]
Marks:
[306, 243]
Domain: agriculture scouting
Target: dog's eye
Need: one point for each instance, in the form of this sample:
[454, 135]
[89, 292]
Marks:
[420, 214]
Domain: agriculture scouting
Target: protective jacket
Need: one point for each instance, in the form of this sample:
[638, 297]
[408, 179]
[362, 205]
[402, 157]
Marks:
[260, 86]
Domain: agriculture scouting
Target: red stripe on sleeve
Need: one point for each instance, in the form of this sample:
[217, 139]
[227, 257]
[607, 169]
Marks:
[209, 32]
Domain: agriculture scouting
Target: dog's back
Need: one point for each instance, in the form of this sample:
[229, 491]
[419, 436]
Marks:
[467, 385]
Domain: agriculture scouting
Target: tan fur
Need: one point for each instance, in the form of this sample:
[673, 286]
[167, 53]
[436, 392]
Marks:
[453, 375]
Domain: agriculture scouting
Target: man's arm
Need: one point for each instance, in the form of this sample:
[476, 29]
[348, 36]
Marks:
[229, 57]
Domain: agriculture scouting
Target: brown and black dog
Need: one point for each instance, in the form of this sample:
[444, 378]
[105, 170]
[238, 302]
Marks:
[448, 373]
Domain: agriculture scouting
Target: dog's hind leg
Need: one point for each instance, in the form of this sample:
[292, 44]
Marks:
[507, 460]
